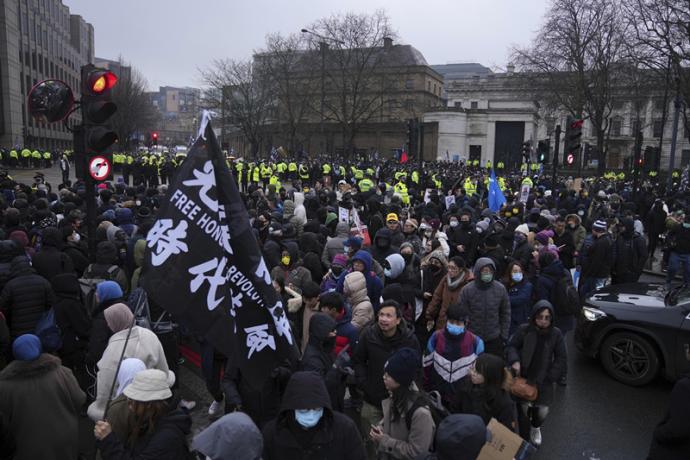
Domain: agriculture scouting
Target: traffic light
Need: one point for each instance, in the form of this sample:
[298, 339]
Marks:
[573, 135]
[154, 138]
[97, 107]
[543, 151]
[411, 136]
[526, 151]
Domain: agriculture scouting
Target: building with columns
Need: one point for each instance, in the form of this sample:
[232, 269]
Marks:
[487, 116]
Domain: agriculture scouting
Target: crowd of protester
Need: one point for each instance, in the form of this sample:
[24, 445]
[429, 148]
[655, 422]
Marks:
[416, 308]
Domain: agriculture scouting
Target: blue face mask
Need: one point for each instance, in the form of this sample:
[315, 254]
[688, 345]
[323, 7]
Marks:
[686, 224]
[517, 277]
[455, 330]
[387, 272]
[346, 249]
[308, 418]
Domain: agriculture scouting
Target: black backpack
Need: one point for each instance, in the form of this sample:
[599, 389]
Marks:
[431, 401]
[565, 298]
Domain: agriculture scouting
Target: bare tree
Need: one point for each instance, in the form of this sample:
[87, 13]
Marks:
[576, 61]
[240, 91]
[135, 113]
[354, 77]
[291, 72]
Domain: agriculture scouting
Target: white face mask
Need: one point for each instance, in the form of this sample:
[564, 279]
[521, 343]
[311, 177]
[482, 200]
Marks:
[453, 223]
[76, 236]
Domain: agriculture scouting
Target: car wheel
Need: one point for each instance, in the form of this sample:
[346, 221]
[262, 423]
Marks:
[629, 358]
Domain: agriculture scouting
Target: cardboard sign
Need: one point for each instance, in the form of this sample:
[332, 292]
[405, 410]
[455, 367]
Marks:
[504, 444]
[450, 201]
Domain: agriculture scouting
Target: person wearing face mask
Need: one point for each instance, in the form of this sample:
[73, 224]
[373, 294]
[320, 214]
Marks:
[522, 249]
[330, 279]
[489, 306]
[630, 254]
[75, 250]
[537, 352]
[447, 293]
[578, 232]
[319, 357]
[291, 270]
[307, 428]
[450, 353]
[679, 242]
[431, 231]
[520, 295]
[596, 259]
[383, 246]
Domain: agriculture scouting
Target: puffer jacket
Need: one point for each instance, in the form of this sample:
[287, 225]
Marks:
[25, 298]
[488, 304]
[374, 284]
[355, 290]
[522, 348]
[290, 217]
[371, 354]
[398, 441]
[335, 245]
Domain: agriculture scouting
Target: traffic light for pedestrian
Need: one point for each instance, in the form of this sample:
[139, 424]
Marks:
[97, 108]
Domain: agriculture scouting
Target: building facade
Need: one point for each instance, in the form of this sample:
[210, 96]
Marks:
[179, 111]
[39, 40]
[399, 86]
[488, 116]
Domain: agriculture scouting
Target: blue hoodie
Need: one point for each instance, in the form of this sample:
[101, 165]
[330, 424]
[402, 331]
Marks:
[374, 285]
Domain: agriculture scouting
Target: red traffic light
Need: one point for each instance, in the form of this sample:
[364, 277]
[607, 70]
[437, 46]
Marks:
[570, 158]
[576, 124]
[154, 135]
[101, 81]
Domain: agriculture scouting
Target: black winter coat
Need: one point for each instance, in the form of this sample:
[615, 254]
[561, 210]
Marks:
[50, 261]
[168, 441]
[599, 258]
[78, 256]
[25, 298]
[318, 357]
[522, 348]
[671, 438]
[630, 256]
[335, 437]
[71, 316]
[371, 354]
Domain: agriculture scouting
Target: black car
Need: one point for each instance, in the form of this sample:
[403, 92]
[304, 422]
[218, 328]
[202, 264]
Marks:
[637, 330]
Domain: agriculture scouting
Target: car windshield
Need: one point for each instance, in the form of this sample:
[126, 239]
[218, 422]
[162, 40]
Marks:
[678, 295]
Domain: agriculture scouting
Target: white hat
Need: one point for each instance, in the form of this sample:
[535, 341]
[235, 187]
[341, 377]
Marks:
[522, 228]
[149, 385]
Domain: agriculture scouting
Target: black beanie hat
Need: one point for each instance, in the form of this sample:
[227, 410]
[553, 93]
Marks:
[457, 312]
[402, 366]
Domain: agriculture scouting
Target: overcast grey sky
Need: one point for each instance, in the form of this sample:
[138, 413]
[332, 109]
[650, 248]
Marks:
[168, 40]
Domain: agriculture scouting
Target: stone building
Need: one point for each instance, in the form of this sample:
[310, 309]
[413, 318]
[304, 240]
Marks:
[489, 115]
[39, 40]
[179, 110]
[401, 85]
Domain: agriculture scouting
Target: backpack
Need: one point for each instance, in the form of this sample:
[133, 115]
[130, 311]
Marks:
[565, 298]
[139, 303]
[431, 401]
[49, 332]
[88, 285]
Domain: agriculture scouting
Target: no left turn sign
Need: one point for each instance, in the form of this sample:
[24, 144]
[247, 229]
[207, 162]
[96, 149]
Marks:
[99, 168]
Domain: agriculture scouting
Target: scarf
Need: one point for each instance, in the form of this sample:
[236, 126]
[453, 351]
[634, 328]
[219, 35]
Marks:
[453, 284]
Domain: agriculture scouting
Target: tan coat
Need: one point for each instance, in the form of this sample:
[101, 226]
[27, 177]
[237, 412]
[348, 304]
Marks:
[443, 298]
[355, 290]
[400, 443]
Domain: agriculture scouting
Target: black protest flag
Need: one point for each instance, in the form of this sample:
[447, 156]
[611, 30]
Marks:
[203, 265]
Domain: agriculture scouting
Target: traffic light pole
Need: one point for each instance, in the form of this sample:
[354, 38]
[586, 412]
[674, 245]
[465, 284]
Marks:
[674, 139]
[556, 147]
[637, 166]
[81, 171]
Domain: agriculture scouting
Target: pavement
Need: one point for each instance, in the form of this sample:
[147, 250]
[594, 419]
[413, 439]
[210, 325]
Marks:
[593, 418]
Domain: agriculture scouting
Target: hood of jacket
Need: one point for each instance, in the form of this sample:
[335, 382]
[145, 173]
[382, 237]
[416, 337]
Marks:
[397, 264]
[27, 370]
[342, 230]
[308, 242]
[299, 199]
[66, 285]
[106, 253]
[355, 287]
[383, 238]
[288, 209]
[481, 263]
[124, 216]
[21, 266]
[234, 434]
[9, 250]
[320, 325]
[574, 216]
[365, 258]
[554, 269]
[111, 233]
[539, 306]
[305, 390]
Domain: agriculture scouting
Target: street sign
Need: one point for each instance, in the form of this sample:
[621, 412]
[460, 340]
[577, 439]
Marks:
[99, 168]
